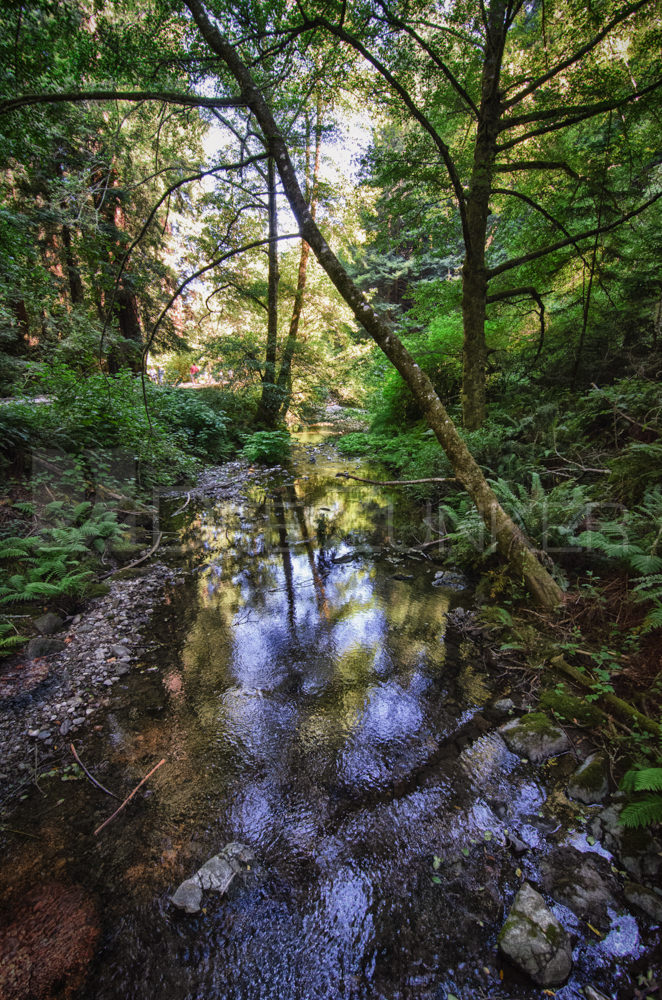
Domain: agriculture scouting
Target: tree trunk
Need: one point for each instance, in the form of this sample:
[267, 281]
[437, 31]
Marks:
[474, 275]
[73, 273]
[267, 412]
[511, 542]
[285, 374]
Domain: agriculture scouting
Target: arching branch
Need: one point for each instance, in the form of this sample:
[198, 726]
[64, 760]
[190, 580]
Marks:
[507, 168]
[517, 293]
[72, 97]
[508, 265]
[578, 54]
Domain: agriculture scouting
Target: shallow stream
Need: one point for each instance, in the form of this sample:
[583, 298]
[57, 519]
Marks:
[311, 700]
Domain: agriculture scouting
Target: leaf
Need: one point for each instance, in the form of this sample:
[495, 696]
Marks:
[436, 864]
[465, 851]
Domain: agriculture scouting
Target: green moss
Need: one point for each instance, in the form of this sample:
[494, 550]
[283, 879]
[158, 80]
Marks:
[535, 722]
[591, 776]
[569, 707]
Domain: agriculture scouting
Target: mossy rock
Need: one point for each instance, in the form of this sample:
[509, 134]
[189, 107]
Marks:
[590, 784]
[534, 736]
[569, 708]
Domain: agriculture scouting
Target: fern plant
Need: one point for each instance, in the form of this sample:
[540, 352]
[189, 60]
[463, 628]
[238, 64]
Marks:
[647, 810]
[10, 639]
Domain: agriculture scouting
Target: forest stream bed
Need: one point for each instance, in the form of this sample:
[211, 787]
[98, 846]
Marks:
[314, 698]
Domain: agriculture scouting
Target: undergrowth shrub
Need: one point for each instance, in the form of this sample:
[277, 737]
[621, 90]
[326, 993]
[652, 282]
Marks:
[267, 447]
[550, 519]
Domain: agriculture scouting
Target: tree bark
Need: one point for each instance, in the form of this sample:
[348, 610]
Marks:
[284, 381]
[267, 412]
[511, 542]
[474, 273]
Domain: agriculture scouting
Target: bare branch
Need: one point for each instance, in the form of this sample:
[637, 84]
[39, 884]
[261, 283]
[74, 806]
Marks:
[198, 274]
[395, 482]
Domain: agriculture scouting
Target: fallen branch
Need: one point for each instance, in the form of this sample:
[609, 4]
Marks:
[394, 482]
[618, 706]
[129, 797]
[136, 562]
[578, 465]
[91, 776]
[180, 509]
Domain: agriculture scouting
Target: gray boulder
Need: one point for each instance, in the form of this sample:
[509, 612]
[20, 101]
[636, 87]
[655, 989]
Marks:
[534, 940]
[646, 899]
[583, 882]
[43, 646]
[188, 896]
[589, 783]
[534, 736]
[48, 624]
[216, 875]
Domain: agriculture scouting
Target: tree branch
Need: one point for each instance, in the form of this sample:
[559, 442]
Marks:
[414, 110]
[587, 111]
[506, 168]
[516, 293]
[539, 81]
[572, 111]
[395, 482]
[606, 228]
[390, 19]
[170, 97]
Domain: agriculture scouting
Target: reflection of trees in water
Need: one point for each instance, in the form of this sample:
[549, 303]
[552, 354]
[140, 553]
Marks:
[301, 672]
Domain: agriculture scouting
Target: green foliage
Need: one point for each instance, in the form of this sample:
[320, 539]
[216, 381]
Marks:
[267, 447]
[550, 518]
[100, 413]
[646, 810]
[199, 429]
[57, 559]
[10, 639]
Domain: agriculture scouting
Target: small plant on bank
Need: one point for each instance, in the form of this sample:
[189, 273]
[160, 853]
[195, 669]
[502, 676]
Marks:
[646, 782]
[267, 447]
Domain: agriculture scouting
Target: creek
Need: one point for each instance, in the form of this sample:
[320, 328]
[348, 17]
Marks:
[313, 700]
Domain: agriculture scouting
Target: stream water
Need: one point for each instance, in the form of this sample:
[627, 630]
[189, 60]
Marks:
[310, 700]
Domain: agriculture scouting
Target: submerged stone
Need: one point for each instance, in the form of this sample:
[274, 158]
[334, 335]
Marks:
[188, 896]
[534, 940]
[590, 784]
[216, 875]
[534, 736]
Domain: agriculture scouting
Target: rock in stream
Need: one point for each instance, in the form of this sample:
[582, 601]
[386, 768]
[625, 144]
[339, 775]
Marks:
[216, 875]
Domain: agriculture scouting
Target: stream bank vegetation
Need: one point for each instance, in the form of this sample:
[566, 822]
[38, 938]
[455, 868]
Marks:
[493, 295]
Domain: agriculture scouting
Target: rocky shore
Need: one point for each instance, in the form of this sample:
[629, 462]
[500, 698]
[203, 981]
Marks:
[64, 677]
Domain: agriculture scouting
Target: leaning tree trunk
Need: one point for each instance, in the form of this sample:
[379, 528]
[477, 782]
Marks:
[267, 411]
[511, 542]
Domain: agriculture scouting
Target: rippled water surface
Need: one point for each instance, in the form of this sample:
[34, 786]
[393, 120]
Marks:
[312, 702]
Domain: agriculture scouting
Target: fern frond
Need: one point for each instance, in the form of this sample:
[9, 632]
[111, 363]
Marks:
[645, 563]
[649, 779]
[653, 619]
[643, 813]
